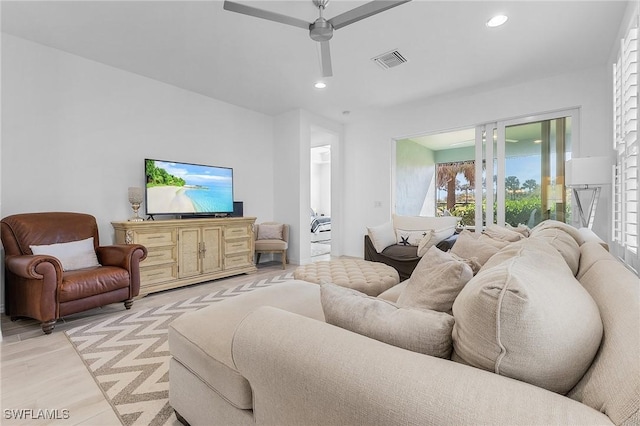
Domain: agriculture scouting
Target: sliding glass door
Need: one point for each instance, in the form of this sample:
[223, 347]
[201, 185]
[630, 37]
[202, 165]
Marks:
[522, 165]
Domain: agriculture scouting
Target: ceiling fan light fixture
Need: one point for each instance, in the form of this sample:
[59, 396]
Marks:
[320, 85]
[496, 21]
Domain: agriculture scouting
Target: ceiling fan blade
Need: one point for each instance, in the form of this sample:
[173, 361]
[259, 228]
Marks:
[364, 11]
[325, 59]
[265, 14]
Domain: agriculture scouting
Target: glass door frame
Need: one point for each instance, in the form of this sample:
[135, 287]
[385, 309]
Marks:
[494, 153]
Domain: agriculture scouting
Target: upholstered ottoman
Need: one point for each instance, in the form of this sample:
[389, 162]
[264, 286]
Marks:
[371, 278]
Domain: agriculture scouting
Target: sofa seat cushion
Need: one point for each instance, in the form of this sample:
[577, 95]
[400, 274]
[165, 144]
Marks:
[81, 283]
[418, 330]
[202, 340]
[525, 316]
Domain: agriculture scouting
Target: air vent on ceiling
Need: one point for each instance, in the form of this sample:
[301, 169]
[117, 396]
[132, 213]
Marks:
[389, 59]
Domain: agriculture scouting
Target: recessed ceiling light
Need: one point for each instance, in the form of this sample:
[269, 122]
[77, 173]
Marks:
[496, 21]
[320, 85]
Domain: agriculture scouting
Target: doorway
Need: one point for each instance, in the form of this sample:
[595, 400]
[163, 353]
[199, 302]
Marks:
[320, 197]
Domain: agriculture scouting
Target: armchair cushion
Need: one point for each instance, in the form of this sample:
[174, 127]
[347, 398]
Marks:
[72, 255]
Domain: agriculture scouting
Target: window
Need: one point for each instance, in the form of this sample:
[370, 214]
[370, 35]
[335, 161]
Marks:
[625, 179]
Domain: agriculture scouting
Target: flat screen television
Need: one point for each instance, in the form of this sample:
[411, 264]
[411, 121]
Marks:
[186, 189]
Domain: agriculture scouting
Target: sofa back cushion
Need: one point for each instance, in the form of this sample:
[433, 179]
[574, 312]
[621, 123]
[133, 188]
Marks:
[525, 316]
[419, 223]
[563, 242]
[612, 383]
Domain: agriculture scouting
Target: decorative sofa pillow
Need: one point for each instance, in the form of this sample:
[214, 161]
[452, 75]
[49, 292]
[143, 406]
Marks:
[521, 228]
[417, 330]
[502, 233]
[410, 238]
[268, 231]
[564, 243]
[72, 255]
[574, 232]
[526, 317]
[382, 236]
[435, 282]
[468, 246]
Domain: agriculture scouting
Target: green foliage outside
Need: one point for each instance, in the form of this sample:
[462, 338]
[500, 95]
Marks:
[159, 177]
[516, 212]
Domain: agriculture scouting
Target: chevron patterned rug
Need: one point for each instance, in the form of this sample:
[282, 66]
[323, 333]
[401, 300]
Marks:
[128, 355]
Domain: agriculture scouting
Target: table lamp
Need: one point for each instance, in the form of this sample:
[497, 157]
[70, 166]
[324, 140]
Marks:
[587, 175]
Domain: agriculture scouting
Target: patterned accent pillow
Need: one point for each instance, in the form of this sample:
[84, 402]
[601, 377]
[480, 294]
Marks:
[410, 238]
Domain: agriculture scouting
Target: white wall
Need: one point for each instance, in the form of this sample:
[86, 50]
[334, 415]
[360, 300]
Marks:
[75, 133]
[368, 141]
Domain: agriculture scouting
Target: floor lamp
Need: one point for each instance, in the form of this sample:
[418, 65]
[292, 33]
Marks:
[587, 175]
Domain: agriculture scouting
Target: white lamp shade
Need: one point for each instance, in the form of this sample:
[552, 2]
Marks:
[588, 171]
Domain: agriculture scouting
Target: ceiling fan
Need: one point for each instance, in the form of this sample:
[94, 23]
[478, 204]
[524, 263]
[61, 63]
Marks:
[321, 30]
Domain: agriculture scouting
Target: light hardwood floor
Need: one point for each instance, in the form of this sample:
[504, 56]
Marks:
[44, 372]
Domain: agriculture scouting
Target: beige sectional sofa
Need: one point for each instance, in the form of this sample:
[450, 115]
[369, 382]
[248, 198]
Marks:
[268, 356]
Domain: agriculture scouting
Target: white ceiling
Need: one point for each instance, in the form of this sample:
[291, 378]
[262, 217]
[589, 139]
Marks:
[270, 67]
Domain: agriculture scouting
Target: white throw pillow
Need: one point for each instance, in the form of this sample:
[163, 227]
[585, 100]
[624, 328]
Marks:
[426, 243]
[382, 236]
[73, 255]
[270, 231]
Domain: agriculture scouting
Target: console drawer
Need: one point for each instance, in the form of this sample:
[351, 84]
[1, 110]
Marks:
[237, 232]
[237, 261]
[159, 255]
[239, 246]
[155, 238]
[157, 274]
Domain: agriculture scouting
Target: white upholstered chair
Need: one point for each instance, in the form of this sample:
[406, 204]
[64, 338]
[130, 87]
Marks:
[272, 237]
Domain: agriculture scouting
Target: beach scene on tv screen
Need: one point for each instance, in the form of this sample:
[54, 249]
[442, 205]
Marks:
[188, 188]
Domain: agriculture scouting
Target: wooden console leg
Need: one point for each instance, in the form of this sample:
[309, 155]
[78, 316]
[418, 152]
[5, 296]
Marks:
[128, 303]
[47, 326]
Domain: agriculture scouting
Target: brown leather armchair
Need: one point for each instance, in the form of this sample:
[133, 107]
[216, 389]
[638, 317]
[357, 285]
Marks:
[36, 286]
